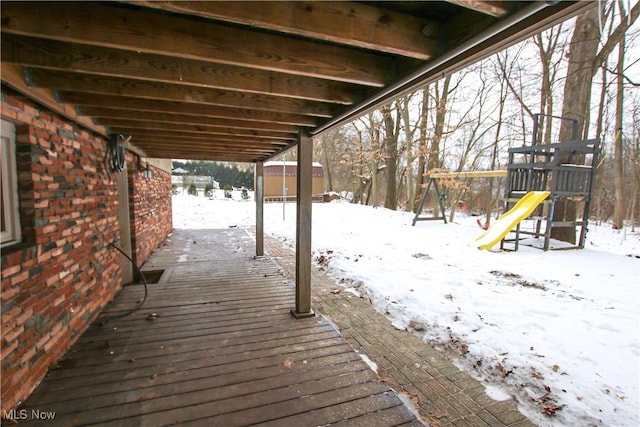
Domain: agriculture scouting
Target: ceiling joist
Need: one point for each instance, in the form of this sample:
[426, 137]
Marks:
[492, 8]
[89, 83]
[239, 81]
[84, 100]
[137, 31]
[104, 114]
[62, 56]
[348, 23]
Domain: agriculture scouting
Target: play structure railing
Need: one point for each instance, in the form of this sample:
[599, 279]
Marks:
[570, 164]
[565, 169]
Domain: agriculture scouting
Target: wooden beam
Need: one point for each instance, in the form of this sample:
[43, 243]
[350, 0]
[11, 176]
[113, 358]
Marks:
[114, 26]
[190, 154]
[107, 112]
[470, 174]
[468, 24]
[39, 77]
[303, 228]
[13, 76]
[170, 135]
[496, 9]
[209, 150]
[255, 117]
[219, 157]
[349, 23]
[229, 147]
[215, 143]
[197, 129]
[259, 198]
[218, 146]
[62, 56]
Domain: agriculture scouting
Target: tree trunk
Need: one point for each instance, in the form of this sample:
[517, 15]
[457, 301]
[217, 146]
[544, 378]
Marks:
[406, 121]
[577, 97]
[545, 53]
[374, 184]
[584, 58]
[422, 147]
[374, 165]
[391, 151]
[326, 148]
[619, 210]
[441, 115]
[635, 168]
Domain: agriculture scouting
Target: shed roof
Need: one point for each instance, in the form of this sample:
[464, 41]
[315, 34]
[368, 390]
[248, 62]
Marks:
[288, 163]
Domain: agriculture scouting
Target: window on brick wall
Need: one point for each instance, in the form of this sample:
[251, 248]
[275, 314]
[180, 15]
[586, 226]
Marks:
[10, 220]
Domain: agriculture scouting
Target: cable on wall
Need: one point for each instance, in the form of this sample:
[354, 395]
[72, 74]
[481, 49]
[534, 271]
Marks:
[114, 159]
[104, 320]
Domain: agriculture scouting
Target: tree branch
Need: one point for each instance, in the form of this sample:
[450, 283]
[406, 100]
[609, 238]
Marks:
[627, 78]
[616, 35]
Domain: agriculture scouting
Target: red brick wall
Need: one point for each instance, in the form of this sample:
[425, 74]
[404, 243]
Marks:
[150, 208]
[56, 282]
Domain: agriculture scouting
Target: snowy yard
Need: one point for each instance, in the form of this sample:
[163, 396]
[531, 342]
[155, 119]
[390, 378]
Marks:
[557, 330]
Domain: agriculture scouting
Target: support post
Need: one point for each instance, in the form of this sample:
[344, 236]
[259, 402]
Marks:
[303, 227]
[259, 196]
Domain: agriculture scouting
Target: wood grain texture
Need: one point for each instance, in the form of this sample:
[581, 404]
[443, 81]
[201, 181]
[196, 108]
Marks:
[130, 104]
[197, 129]
[63, 56]
[224, 350]
[95, 84]
[136, 30]
[106, 113]
[349, 23]
[311, 65]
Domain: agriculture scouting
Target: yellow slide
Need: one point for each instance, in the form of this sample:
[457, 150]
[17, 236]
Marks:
[509, 220]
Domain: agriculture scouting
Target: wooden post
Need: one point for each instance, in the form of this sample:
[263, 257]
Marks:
[303, 228]
[259, 196]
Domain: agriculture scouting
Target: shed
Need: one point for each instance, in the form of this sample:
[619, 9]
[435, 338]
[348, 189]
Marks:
[273, 177]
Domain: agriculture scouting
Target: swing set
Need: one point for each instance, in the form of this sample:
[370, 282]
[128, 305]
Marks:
[538, 176]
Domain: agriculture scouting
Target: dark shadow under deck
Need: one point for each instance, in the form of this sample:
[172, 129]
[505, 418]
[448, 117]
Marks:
[223, 351]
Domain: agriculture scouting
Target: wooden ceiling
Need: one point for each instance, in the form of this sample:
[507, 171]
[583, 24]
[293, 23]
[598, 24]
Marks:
[239, 80]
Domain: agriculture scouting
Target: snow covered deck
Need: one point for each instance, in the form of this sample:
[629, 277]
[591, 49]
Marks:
[214, 344]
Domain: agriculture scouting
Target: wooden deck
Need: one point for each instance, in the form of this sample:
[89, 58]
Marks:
[223, 351]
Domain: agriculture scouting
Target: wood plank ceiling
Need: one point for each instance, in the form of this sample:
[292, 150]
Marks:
[239, 80]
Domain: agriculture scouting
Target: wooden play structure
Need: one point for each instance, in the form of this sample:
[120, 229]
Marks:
[563, 171]
[433, 183]
[566, 170]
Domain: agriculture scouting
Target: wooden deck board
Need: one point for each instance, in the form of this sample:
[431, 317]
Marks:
[224, 350]
[191, 371]
[210, 350]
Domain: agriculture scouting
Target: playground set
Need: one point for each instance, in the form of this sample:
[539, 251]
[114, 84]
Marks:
[537, 178]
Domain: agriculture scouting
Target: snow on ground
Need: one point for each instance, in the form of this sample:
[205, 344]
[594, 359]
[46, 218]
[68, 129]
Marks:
[558, 330]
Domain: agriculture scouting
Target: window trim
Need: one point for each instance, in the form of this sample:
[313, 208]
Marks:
[10, 206]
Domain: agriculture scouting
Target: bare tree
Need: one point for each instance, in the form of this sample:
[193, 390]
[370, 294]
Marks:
[404, 111]
[618, 212]
[584, 60]
[391, 130]
[364, 161]
[634, 158]
[547, 43]
[473, 125]
[422, 144]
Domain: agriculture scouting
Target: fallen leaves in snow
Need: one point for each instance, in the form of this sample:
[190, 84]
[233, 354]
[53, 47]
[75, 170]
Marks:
[550, 409]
